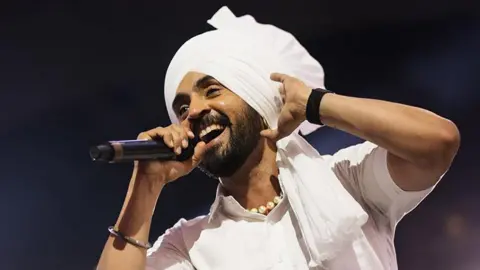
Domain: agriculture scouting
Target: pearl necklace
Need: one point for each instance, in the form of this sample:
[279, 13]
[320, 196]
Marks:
[262, 209]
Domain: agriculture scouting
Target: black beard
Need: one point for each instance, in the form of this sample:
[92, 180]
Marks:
[224, 161]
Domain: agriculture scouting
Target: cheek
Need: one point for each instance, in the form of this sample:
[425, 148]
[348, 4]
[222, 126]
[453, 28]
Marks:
[228, 106]
[228, 102]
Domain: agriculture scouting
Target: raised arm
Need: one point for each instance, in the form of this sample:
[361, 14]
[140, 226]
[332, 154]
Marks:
[421, 145]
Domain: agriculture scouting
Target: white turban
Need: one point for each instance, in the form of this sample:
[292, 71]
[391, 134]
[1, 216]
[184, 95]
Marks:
[241, 54]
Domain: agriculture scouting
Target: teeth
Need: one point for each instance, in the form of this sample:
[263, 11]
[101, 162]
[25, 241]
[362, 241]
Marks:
[210, 128]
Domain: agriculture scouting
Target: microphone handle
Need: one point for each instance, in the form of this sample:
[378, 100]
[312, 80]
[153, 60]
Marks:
[130, 150]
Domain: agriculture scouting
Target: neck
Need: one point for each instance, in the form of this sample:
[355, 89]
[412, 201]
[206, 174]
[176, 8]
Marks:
[255, 182]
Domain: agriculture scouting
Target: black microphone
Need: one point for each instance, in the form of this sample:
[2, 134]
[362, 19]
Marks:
[130, 150]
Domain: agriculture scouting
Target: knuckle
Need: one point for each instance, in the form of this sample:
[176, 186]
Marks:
[167, 137]
[178, 140]
[144, 136]
[176, 137]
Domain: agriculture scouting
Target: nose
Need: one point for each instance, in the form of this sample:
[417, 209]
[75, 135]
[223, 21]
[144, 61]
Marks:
[198, 108]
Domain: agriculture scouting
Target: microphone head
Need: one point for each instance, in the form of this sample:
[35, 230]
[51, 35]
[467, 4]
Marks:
[102, 152]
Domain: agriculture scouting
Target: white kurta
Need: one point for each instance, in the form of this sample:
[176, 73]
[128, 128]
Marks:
[230, 237]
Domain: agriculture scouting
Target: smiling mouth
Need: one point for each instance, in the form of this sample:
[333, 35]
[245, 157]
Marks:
[211, 132]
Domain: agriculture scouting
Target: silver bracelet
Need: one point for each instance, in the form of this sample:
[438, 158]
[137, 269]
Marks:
[129, 239]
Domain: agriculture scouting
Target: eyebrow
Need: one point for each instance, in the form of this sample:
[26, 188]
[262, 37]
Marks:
[204, 82]
[181, 98]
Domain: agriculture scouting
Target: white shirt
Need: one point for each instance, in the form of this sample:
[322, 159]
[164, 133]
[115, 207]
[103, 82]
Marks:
[230, 237]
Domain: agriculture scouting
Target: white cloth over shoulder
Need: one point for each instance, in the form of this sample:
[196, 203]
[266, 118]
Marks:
[241, 54]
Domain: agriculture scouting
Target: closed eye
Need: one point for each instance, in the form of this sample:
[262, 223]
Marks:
[182, 110]
[212, 92]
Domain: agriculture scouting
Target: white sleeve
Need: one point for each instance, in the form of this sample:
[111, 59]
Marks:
[363, 171]
[169, 251]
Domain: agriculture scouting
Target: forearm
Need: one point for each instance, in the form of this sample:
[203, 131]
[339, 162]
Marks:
[134, 221]
[411, 133]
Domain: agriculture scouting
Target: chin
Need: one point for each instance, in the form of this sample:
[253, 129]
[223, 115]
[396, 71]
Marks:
[234, 145]
[219, 161]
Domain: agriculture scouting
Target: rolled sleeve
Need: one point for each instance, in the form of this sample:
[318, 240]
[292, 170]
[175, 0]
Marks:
[363, 171]
[398, 202]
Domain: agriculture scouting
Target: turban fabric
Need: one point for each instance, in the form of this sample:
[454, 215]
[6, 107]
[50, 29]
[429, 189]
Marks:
[241, 54]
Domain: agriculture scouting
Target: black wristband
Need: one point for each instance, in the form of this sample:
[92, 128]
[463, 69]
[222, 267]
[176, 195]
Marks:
[313, 105]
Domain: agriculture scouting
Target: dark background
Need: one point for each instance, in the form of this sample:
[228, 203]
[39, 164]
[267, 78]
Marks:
[78, 73]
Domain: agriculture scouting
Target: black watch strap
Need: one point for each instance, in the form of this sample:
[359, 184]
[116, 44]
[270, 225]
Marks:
[313, 105]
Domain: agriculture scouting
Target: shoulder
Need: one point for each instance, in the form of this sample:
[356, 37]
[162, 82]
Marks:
[171, 250]
[363, 171]
[354, 154]
[354, 163]
[180, 234]
[186, 227]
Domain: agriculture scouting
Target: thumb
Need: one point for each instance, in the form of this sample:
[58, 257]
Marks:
[198, 153]
[278, 77]
[271, 134]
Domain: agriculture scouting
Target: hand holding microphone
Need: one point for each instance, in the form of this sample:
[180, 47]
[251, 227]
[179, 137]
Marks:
[178, 138]
[163, 152]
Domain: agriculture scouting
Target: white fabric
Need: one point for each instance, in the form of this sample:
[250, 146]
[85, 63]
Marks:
[241, 54]
[329, 218]
[230, 237]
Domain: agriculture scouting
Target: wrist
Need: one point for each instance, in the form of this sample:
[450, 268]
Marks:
[148, 179]
[314, 103]
[148, 184]
[303, 101]
[329, 109]
[139, 205]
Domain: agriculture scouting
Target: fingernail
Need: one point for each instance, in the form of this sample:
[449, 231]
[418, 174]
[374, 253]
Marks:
[191, 134]
[184, 143]
[178, 150]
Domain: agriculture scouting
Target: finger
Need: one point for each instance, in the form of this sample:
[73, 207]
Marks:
[278, 77]
[186, 125]
[281, 89]
[183, 135]
[198, 153]
[271, 134]
[144, 136]
[157, 133]
[168, 140]
[189, 132]
[160, 133]
[177, 141]
[284, 124]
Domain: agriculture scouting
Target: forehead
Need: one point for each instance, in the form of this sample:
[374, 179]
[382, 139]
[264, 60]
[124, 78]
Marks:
[189, 82]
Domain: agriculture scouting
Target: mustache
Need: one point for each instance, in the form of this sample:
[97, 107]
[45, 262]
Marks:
[210, 119]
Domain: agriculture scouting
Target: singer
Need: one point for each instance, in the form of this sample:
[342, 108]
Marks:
[246, 90]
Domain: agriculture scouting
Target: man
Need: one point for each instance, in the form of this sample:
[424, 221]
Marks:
[279, 205]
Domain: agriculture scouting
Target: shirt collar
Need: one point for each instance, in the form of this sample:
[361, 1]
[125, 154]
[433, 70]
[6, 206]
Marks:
[218, 197]
[227, 205]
